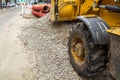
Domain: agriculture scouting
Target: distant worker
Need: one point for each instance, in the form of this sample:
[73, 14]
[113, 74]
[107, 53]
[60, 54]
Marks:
[22, 9]
[25, 8]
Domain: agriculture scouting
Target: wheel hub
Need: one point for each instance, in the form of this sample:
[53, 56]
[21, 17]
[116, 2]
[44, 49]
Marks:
[77, 50]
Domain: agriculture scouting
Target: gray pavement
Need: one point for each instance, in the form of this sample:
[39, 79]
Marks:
[16, 63]
[7, 15]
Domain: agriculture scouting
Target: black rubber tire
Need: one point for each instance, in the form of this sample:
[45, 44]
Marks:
[96, 56]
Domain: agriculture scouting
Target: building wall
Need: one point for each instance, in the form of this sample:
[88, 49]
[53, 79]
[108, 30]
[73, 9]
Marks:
[3, 1]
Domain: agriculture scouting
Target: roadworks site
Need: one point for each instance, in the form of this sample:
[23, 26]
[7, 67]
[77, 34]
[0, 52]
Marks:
[49, 41]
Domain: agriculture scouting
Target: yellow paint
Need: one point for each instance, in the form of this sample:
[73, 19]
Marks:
[111, 18]
[115, 31]
[78, 60]
[70, 9]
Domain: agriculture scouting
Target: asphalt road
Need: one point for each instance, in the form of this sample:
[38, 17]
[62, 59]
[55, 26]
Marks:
[16, 63]
[8, 15]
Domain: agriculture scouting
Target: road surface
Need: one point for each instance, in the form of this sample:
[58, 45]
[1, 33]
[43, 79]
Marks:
[7, 16]
[16, 63]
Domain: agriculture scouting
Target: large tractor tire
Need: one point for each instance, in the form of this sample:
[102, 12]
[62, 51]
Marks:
[87, 59]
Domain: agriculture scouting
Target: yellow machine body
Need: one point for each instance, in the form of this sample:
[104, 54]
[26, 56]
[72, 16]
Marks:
[69, 10]
[111, 18]
[66, 10]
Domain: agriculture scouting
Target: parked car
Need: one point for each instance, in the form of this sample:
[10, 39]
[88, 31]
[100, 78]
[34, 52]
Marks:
[12, 4]
[4, 5]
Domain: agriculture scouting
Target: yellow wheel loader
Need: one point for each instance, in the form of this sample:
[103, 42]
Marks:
[94, 42]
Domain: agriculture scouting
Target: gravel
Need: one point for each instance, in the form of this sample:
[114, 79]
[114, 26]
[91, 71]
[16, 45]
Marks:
[115, 56]
[49, 42]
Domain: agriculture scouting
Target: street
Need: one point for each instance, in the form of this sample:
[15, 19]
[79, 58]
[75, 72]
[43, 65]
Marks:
[33, 49]
[16, 63]
[9, 15]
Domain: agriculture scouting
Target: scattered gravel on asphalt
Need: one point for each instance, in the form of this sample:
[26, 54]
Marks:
[49, 42]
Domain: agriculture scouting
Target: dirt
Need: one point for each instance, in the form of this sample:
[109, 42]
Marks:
[16, 61]
[114, 56]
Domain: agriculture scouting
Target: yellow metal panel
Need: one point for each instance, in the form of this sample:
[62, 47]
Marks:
[114, 31]
[67, 9]
[112, 18]
[67, 12]
[86, 6]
